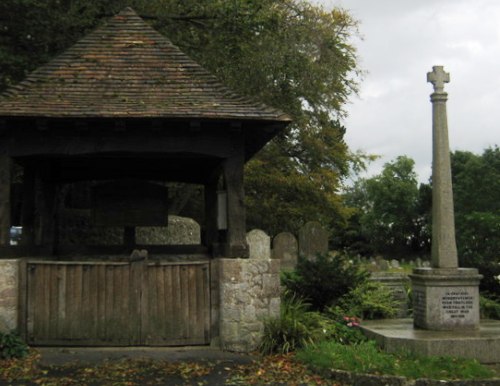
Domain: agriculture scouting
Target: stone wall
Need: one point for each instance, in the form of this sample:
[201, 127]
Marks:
[9, 290]
[248, 294]
[76, 228]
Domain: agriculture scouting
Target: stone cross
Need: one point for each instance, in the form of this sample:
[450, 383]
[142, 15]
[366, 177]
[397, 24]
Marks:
[444, 250]
[438, 78]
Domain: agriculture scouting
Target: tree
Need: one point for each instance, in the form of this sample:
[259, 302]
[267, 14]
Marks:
[287, 53]
[390, 209]
[476, 187]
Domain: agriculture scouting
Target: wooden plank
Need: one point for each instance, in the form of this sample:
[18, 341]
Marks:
[31, 303]
[184, 309]
[207, 322]
[192, 309]
[109, 303]
[92, 294]
[169, 310]
[161, 316]
[78, 300]
[62, 305]
[45, 309]
[53, 294]
[87, 318]
[135, 313]
[176, 303]
[23, 299]
[101, 302]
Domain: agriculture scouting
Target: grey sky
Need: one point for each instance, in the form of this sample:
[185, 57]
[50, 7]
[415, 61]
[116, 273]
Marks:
[403, 39]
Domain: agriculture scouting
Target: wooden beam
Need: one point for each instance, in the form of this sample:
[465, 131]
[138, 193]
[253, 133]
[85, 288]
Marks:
[236, 245]
[28, 207]
[210, 233]
[5, 176]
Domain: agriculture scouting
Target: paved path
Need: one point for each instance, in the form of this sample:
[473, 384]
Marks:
[94, 355]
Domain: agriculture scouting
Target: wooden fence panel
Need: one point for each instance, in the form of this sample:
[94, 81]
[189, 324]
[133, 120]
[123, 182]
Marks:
[70, 304]
[178, 311]
[117, 303]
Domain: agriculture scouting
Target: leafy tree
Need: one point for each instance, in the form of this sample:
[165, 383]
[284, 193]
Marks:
[390, 209]
[476, 188]
[287, 53]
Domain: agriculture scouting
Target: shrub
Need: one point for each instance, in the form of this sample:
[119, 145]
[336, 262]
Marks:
[369, 300]
[323, 281]
[12, 346]
[295, 328]
[489, 308]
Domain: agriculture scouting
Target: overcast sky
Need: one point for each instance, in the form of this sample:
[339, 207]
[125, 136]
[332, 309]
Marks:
[403, 39]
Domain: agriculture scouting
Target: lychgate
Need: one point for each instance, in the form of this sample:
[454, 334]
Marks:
[122, 113]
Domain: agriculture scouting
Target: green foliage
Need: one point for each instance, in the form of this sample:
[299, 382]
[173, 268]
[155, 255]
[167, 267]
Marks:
[295, 328]
[489, 308]
[390, 211]
[366, 358]
[369, 300]
[476, 187]
[298, 327]
[323, 281]
[12, 346]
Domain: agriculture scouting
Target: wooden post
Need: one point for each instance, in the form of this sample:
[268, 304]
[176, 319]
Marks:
[5, 175]
[210, 233]
[46, 209]
[28, 207]
[236, 245]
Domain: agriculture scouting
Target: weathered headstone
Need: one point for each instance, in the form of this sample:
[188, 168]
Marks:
[396, 282]
[313, 240]
[445, 297]
[383, 265]
[395, 264]
[259, 244]
[286, 249]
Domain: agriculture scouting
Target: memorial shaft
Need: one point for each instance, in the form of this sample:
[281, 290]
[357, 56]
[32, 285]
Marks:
[444, 249]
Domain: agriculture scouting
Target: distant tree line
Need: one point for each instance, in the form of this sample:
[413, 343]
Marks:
[391, 213]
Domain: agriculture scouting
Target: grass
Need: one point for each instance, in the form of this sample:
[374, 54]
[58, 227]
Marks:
[366, 358]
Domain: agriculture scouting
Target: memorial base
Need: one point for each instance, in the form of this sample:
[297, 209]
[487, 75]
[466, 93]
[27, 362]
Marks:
[445, 299]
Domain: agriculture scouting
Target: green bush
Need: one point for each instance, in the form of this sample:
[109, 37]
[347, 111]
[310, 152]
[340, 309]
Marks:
[369, 300]
[323, 281]
[366, 358]
[295, 328]
[489, 308]
[12, 346]
[298, 327]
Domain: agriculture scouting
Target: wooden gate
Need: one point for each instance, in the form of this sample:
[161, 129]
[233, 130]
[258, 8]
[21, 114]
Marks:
[118, 303]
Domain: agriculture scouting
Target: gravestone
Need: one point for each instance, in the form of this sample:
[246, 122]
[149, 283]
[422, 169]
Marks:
[383, 265]
[445, 297]
[259, 244]
[396, 282]
[286, 249]
[313, 240]
[395, 264]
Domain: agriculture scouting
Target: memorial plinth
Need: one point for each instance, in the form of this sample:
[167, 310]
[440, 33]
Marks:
[445, 299]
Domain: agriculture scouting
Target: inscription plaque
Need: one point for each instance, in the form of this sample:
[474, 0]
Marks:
[457, 304]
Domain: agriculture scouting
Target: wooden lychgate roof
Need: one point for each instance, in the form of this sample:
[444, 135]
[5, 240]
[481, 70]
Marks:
[126, 69]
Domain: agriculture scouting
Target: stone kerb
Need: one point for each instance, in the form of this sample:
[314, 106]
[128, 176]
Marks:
[259, 244]
[286, 249]
[9, 294]
[313, 239]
